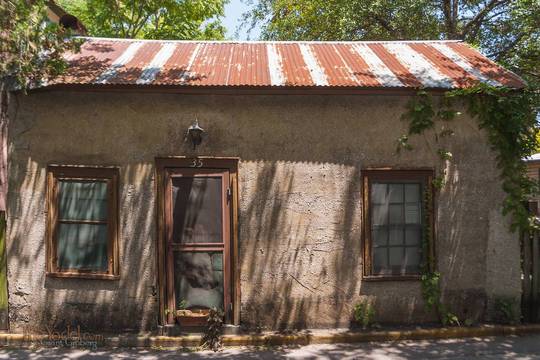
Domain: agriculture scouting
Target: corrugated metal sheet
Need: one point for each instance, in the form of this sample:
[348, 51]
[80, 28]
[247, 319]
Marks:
[403, 64]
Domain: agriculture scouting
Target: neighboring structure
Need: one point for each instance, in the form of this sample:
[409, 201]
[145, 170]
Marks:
[58, 15]
[533, 171]
[293, 208]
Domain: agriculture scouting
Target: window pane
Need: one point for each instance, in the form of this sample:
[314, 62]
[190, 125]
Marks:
[395, 193]
[378, 193]
[79, 200]
[412, 259]
[396, 213]
[396, 236]
[380, 237]
[199, 279]
[197, 209]
[412, 192]
[412, 213]
[380, 260]
[396, 259]
[413, 235]
[379, 215]
[82, 246]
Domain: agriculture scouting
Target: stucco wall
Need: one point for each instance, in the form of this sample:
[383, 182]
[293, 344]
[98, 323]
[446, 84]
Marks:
[300, 205]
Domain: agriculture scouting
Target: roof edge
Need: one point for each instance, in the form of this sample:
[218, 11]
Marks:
[270, 41]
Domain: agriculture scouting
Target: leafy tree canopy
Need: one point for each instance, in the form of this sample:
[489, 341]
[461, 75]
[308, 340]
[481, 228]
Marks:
[508, 31]
[151, 19]
[30, 46]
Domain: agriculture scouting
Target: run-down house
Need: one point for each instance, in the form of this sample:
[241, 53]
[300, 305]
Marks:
[292, 206]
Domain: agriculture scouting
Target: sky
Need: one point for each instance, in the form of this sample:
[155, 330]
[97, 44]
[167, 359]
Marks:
[233, 16]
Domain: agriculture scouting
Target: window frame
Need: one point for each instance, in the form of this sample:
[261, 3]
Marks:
[56, 173]
[390, 175]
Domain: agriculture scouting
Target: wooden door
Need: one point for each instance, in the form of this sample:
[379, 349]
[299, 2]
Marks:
[197, 231]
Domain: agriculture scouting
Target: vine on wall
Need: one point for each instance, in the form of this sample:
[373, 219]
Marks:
[509, 119]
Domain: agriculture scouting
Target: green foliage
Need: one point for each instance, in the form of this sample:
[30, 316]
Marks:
[430, 279]
[509, 118]
[30, 46]
[182, 305]
[364, 313]
[212, 336]
[154, 19]
[506, 310]
[420, 113]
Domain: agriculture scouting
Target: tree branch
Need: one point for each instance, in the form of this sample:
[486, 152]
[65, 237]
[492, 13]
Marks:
[473, 25]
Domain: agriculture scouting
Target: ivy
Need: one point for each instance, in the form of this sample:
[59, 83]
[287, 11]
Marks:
[430, 279]
[509, 119]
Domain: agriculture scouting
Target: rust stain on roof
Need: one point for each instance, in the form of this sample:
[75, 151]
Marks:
[403, 64]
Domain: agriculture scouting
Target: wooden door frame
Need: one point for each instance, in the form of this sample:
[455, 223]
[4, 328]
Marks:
[163, 164]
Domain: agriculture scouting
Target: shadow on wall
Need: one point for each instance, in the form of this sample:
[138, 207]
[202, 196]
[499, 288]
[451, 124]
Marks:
[300, 207]
[128, 303]
[300, 252]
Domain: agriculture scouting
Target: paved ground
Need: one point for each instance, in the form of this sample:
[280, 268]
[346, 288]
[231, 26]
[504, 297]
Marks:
[512, 347]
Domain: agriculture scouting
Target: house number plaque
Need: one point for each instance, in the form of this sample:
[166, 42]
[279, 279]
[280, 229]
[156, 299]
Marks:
[196, 163]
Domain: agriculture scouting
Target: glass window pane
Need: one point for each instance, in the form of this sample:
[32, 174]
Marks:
[380, 237]
[82, 200]
[412, 213]
[197, 209]
[379, 215]
[412, 259]
[380, 260]
[395, 193]
[396, 236]
[378, 193]
[412, 192]
[199, 279]
[396, 259]
[395, 214]
[82, 246]
[413, 235]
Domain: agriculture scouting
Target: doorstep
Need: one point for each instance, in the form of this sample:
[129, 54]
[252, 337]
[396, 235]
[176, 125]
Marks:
[304, 337]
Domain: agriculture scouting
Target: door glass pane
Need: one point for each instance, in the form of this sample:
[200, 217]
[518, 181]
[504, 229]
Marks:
[82, 246]
[82, 200]
[199, 279]
[197, 209]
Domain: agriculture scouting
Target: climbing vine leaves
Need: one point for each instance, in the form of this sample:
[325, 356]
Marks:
[509, 119]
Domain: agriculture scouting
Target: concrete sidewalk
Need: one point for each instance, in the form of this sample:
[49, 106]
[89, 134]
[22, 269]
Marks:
[305, 337]
[507, 347]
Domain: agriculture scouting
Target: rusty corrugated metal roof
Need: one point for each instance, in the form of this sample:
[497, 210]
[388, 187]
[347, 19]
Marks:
[399, 64]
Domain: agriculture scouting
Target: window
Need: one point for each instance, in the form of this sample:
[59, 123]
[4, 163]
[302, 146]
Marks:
[82, 222]
[394, 217]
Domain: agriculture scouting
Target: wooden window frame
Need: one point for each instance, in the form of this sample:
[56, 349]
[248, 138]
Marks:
[55, 173]
[391, 175]
[206, 165]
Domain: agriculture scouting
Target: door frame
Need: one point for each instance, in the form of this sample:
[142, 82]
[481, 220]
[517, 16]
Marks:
[163, 165]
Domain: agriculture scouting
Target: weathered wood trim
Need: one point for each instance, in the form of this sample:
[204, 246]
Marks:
[82, 173]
